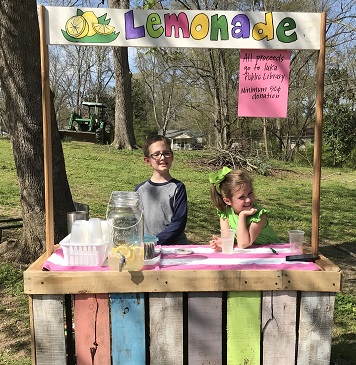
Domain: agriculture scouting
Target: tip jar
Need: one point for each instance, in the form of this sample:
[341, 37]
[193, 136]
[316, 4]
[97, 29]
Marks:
[125, 225]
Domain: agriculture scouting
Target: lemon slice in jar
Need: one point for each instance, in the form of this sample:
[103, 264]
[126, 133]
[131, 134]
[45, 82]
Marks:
[126, 251]
[138, 251]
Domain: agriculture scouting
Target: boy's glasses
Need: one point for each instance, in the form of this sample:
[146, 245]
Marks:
[157, 155]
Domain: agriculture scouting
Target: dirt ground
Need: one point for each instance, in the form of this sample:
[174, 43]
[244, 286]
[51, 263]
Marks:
[15, 334]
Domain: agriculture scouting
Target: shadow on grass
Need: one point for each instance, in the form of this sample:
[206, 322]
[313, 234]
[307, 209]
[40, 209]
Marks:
[343, 351]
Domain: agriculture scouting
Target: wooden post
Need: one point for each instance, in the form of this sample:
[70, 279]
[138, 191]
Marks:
[317, 139]
[47, 135]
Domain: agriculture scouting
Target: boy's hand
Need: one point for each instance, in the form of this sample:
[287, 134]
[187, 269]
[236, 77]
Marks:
[215, 243]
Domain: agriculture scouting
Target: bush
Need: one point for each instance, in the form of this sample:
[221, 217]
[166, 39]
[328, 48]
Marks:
[305, 157]
[351, 160]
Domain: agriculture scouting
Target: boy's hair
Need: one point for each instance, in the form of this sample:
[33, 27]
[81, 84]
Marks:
[233, 181]
[154, 139]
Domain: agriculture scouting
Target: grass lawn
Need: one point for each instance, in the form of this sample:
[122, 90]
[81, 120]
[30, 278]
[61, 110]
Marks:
[94, 171]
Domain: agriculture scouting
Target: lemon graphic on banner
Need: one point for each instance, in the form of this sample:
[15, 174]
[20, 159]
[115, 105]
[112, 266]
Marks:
[91, 18]
[103, 29]
[87, 27]
[77, 27]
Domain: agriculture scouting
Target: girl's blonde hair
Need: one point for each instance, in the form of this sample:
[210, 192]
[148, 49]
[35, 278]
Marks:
[234, 180]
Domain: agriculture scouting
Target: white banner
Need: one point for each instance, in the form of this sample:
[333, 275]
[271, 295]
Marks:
[182, 28]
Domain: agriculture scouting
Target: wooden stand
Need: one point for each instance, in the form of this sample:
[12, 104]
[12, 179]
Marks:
[181, 317]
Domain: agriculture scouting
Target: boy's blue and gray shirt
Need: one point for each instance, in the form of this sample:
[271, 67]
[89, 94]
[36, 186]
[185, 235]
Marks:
[165, 210]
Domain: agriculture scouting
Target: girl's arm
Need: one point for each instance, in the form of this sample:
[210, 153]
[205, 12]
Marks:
[246, 236]
[224, 223]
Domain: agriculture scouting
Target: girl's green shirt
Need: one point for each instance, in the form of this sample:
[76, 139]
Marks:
[267, 234]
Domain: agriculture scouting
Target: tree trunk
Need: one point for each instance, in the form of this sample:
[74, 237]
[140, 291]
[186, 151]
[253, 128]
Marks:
[124, 132]
[20, 80]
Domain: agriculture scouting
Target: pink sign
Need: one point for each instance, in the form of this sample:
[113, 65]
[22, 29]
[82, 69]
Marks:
[263, 84]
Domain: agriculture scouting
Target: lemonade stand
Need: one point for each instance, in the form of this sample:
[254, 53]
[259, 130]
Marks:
[180, 309]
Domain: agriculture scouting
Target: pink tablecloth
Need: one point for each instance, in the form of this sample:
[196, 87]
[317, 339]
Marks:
[203, 258]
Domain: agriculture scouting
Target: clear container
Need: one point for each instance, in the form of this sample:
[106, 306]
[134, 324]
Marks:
[125, 231]
[150, 245]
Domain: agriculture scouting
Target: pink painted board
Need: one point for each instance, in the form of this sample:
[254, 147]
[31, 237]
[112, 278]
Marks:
[92, 326]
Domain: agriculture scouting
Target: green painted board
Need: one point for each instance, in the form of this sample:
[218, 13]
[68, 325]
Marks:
[243, 328]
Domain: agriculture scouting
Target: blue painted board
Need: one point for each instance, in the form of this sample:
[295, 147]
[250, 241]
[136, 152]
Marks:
[128, 328]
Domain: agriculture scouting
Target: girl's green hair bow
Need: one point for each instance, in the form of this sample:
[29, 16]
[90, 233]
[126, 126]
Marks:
[216, 179]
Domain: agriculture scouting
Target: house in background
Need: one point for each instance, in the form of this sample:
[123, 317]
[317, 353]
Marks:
[307, 137]
[185, 139]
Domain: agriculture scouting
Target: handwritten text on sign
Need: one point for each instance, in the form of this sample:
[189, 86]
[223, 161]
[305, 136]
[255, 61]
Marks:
[263, 85]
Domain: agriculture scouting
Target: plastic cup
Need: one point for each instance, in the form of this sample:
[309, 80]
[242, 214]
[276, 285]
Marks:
[95, 234]
[104, 230]
[79, 232]
[74, 216]
[227, 241]
[296, 238]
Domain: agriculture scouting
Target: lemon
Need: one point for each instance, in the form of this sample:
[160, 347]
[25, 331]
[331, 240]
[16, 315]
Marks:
[103, 29]
[127, 251]
[138, 251]
[77, 27]
[91, 18]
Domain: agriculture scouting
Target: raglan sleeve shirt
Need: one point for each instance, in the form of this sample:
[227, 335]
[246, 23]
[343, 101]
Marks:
[165, 210]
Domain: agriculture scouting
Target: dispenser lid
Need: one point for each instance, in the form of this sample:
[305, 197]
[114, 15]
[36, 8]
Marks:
[149, 238]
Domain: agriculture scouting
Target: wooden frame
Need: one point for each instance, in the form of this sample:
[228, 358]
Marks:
[176, 317]
[47, 140]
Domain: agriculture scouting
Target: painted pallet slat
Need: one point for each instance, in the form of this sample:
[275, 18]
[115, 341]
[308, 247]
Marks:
[279, 316]
[205, 328]
[166, 328]
[92, 329]
[243, 328]
[48, 319]
[315, 327]
[128, 328]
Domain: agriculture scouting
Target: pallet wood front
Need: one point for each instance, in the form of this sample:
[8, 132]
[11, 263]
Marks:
[179, 328]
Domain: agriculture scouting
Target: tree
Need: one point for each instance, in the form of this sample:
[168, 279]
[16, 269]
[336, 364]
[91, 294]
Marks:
[124, 132]
[164, 81]
[340, 115]
[142, 109]
[20, 80]
[79, 73]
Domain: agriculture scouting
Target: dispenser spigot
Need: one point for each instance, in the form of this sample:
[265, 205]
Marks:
[122, 262]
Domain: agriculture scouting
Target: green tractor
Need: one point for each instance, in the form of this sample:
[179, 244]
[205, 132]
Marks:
[90, 125]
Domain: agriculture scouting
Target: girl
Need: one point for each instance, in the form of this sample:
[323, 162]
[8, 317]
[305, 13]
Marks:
[232, 194]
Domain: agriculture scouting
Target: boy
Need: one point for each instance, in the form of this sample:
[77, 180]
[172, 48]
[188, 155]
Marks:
[164, 198]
